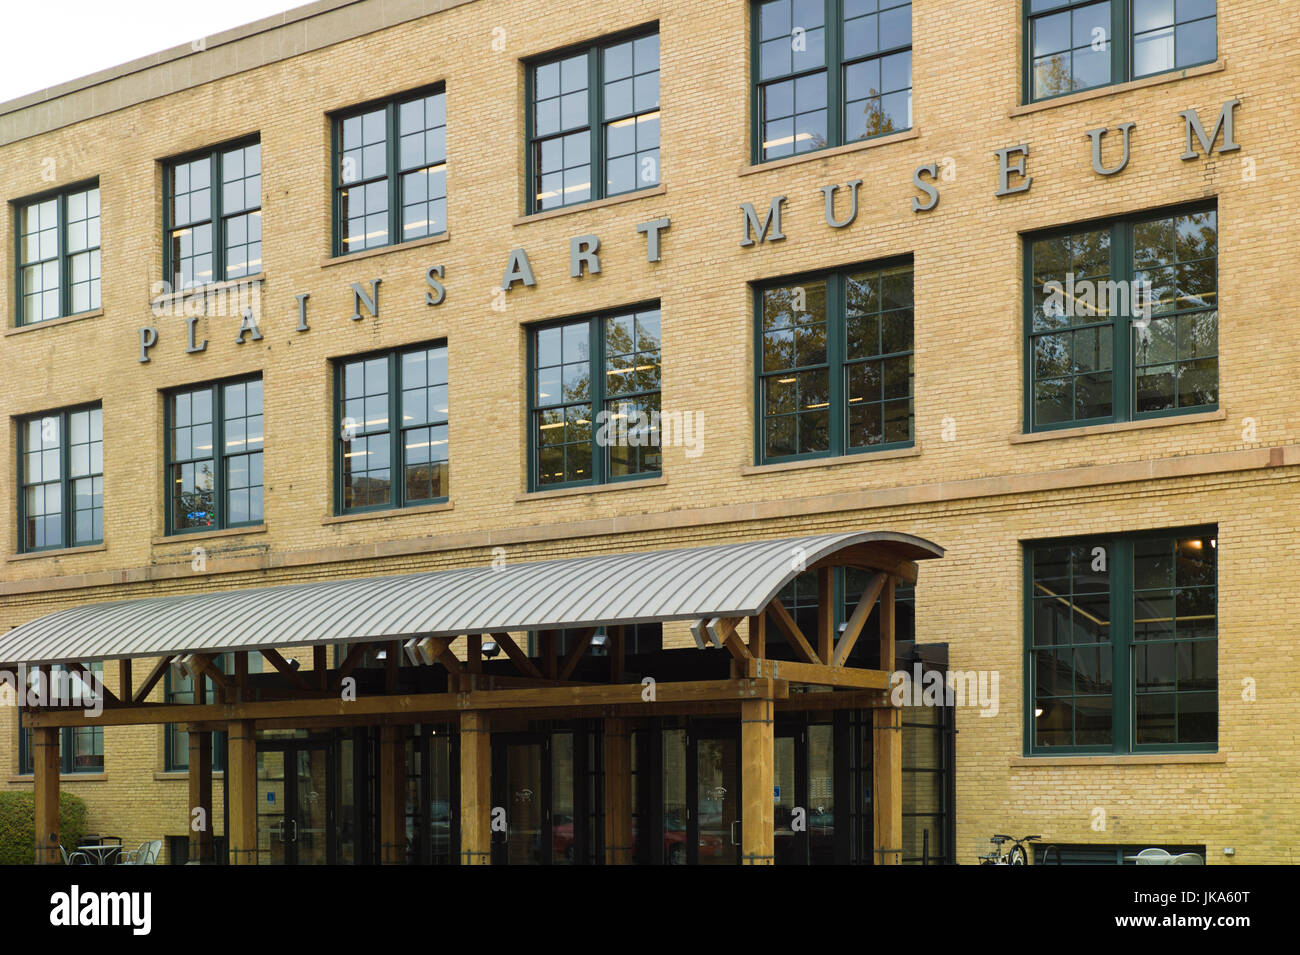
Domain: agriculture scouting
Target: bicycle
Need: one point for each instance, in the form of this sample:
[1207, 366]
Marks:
[1018, 854]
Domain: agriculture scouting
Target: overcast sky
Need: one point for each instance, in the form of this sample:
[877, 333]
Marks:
[50, 41]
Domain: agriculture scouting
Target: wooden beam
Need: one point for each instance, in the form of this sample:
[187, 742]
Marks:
[355, 655]
[887, 753]
[474, 653]
[528, 698]
[758, 636]
[45, 777]
[826, 614]
[151, 680]
[392, 795]
[548, 648]
[442, 652]
[207, 665]
[731, 640]
[618, 793]
[392, 660]
[200, 786]
[517, 656]
[575, 655]
[858, 618]
[320, 663]
[757, 742]
[241, 676]
[872, 557]
[273, 657]
[241, 780]
[88, 680]
[617, 652]
[475, 792]
[124, 679]
[793, 635]
[818, 675]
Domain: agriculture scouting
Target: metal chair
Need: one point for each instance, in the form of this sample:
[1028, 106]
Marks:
[1187, 858]
[1153, 857]
[147, 854]
[76, 858]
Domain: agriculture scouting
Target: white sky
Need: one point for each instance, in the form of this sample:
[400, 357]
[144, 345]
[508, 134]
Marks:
[50, 41]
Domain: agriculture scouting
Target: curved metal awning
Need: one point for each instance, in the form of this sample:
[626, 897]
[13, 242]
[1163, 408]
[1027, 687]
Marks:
[731, 580]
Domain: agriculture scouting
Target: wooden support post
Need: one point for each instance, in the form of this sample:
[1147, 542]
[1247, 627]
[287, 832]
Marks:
[45, 769]
[617, 637]
[757, 818]
[758, 637]
[392, 795]
[825, 614]
[887, 752]
[320, 663]
[548, 645]
[200, 815]
[618, 792]
[241, 677]
[474, 653]
[475, 795]
[124, 680]
[241, 778]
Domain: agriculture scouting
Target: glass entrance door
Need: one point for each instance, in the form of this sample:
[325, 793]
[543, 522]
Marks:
[294, 790]
[534, 779]
[713, 784]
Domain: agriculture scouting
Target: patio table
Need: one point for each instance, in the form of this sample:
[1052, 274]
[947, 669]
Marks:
[102, 854]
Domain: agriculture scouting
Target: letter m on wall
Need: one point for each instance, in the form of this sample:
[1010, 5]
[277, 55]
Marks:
[1192, 122]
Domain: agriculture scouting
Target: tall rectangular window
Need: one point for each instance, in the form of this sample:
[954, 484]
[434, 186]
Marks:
[594, 399]
[213, 212]
[390, 172]
[81, 748]
[58, 255]
[1122, 643]
[392, 414]
[836, 363]
[1123, 320]
[594, 122]
[829, 72]
[61, 463]
[214, 456]
[1073, 45]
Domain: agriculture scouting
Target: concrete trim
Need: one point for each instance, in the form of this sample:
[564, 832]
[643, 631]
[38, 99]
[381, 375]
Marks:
[1033, 437]
[1134, 759]
[52, 322]
[1159, 79]
[1191, 466]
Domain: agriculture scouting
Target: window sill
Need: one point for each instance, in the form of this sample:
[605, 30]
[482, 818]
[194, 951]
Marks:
[863, 458]
[59, 552]
[65, 320]
[1119, 426]
[383, 250]
[901, 137]
[592, 489]
[388, 512]
[208, 535]
[65, 778]
[594, 204]
[180, 775]
[202, 291]
[1137, 759]
[1159, 79]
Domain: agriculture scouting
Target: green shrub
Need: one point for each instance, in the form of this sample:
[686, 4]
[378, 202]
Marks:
[18, 825]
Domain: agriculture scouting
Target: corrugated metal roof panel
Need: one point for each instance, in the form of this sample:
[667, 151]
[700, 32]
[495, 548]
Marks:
[729, 580]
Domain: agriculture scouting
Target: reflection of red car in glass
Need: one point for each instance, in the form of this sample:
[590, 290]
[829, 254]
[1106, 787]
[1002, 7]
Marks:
[711, 845]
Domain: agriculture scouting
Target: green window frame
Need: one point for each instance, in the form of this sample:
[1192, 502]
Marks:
[390, 171]
[81, 748]
[835, 363]
[593, 120]
[212, 215]
[391, 416]
[1081, 365]
[594, 398]
[828, 73]
[1121, 643]
[1069, 45]
[61, 479]
[57, 254]
[214, 474]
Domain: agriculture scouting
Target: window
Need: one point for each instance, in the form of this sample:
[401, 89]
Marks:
[214, 456]
[836, 363]
[1088, 285]
[81, 748]
[58, 255]
[390, 181]
[61, 460]
[213, 216]
[1122, 644]
[829, 72]
[392, 414]
[1070, 45]
[594, 390]
[176, 742]
[594, 122]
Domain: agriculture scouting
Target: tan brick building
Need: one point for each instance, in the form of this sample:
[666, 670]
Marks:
[1116, 493]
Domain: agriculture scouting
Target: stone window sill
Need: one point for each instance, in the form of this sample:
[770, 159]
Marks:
[65, 320]
[866, 457]
[61, 552]
[593, 489]
[1137, 759]
[1119, 427]
[202, 291]
[594, 204]
[1158, 80]
[389, 512]
[901, 137]
[209, 535]
[383, 250]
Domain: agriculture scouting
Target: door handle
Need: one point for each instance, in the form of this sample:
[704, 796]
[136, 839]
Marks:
[735, 840]
[294, 823]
